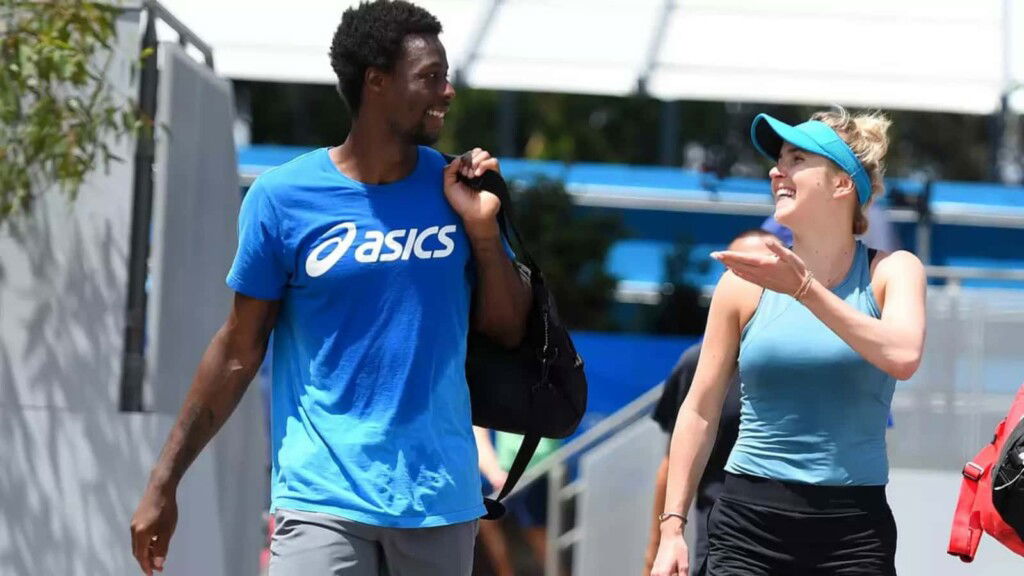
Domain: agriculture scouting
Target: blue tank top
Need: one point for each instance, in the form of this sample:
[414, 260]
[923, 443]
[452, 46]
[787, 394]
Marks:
[813, 410]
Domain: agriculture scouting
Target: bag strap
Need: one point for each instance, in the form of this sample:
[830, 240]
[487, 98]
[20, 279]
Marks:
[966, 531]
[495, 183]
[495, 509]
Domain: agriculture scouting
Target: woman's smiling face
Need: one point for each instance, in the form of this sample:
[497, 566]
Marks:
[803, 186]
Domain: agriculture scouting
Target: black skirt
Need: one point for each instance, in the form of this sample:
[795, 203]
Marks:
[765, 527]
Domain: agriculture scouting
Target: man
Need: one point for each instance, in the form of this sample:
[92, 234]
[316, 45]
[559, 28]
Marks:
[676, 387]
[365, 260]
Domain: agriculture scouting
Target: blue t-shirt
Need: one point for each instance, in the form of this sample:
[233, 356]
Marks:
[370, 410]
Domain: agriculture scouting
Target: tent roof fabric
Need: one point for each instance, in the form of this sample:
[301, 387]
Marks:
[937, 55]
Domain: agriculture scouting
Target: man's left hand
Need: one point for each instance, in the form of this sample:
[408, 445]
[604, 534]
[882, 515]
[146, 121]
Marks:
[477, 208]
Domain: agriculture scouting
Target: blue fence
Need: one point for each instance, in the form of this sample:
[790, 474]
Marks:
[621, 367]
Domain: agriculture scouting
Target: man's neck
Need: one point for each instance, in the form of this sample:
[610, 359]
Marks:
[373, 154]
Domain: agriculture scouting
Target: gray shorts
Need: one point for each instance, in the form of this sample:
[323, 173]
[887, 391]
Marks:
[314, 544]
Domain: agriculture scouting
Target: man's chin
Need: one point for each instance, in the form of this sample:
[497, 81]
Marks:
[424, 138]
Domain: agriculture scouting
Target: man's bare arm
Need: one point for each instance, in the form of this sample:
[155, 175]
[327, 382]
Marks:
[225, 371]
[503, 295]
[228, 366]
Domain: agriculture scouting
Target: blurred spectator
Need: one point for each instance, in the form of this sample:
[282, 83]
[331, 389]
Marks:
[881, 233]
[529, 507]
[492, 535]
[778, 230]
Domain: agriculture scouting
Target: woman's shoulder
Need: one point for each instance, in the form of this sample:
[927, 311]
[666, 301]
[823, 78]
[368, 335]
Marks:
[738, 297]
[886, 264]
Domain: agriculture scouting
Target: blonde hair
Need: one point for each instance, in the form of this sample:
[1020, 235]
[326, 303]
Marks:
[865, 134]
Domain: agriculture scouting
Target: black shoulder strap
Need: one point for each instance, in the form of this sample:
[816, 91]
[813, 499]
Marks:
[495, 509]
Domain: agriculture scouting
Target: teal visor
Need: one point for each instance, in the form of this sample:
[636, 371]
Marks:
[819, 138]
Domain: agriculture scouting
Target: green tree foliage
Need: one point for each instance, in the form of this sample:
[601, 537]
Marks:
[58, 116]
[295, 114]
[573, 128]
[584, 128]
[570, 248]
[472, 122]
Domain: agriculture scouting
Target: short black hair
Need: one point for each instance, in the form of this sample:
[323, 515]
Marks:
[371, 35]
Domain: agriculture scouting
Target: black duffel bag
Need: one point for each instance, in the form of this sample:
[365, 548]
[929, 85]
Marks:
[538, 389]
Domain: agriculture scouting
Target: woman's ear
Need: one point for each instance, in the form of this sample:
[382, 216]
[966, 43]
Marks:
[844, 185]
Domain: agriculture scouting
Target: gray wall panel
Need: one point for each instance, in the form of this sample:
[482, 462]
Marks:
[70, 484]
[63, 279]
[614, 510]
[196, 202]
[74, 467]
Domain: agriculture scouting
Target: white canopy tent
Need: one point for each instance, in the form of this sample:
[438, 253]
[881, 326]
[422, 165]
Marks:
[289, 41]
[936, 55]
[944, 55]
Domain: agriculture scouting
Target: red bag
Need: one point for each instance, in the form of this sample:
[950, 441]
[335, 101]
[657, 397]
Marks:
[975, 512]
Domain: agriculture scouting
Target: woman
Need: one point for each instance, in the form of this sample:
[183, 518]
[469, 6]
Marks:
[821, 333]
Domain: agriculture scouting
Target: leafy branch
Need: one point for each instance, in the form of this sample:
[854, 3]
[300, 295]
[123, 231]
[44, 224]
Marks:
[58, 113]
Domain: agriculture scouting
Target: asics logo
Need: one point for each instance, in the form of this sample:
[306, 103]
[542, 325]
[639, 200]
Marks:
[377, 246]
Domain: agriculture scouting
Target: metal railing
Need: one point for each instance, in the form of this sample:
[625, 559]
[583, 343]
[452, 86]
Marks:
[651, 293]
[186, 37]
[133, 363]
[955, 275]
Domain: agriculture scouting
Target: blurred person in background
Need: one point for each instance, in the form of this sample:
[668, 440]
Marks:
[820, 333]
[676, 387]
[881, 235]
[529, 506]
[771, 225]
[492, 534]
[369, 262]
